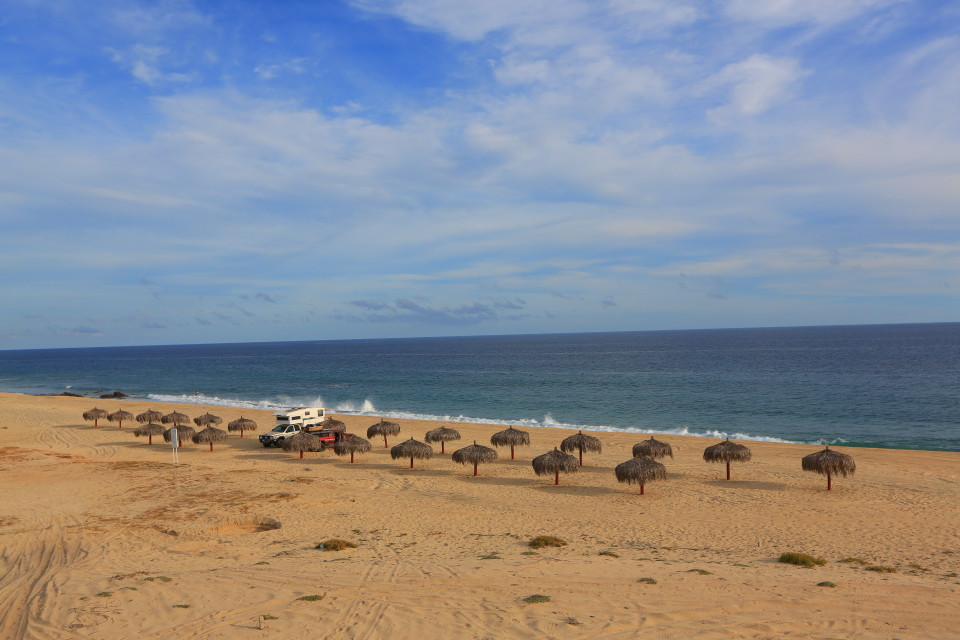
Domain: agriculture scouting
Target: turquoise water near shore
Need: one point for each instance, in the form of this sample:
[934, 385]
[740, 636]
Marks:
[880, 385]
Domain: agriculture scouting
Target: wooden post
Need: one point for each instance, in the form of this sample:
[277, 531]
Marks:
[829, 482]
[556, 479]
[474, 468]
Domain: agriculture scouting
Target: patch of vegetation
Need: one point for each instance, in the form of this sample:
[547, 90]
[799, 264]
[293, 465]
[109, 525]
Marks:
[547, 541]
[536, 598]
[491, 556]
[267, 616]
[160, 578]
[313, 598]
[801, 559]
[740, 564]
[914, 565]
[129, 588]
[826, 583]
[572, 621]
[609, 553]
[357, 531]
[859, 561]
[181, 606]
[335, 544]
[529, 553]
[880, 569]
[702, 572]
[261, 562]
[105, 594]
[647, 581]
[952, 574]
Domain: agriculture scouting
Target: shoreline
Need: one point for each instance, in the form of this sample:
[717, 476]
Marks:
[232, 533]
[525, 424]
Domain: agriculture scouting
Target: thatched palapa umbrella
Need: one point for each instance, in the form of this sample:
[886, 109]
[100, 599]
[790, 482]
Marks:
[184, 432]
[640, 471]
[383, 428]
[332, 423]
[510, 437]
[474, 454]
[242, 424]
[442, 435]
[120, 416]
[351, 444]
[150, 429]
[728, 452]
[94, 414]
[211, 434]
[554, 462]
[653, 449]
[829, 463]
[149, 416]
[175, 418]
[581, 443]
[412, 449]
[301, 442]
[207, 419]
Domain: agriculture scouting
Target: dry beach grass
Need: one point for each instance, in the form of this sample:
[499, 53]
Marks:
[104, 538]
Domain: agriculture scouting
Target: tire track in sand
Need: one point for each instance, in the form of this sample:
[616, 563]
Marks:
[27, 569]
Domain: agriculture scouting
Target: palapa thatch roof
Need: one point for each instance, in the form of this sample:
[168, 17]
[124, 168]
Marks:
[242, 424]
[581, 442]
[510, 437]
[150, 429]
[727, 452]
[207, 419]
[175, 418]
[332, 423]
[442, 435]
[829, 463]
[301, 442]
[184, 432]
[120, 416]
[653, 449]
[94, 414]
[555, 462]
[474, 454]
[640, 470]
[383, 428]
[210, 434]
[149, 416]
[351, 444]
[411, 449]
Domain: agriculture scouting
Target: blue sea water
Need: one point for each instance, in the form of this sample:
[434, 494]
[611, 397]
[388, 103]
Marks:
[879, 386]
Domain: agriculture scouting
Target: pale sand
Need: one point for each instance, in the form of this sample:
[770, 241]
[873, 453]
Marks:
[103, 537]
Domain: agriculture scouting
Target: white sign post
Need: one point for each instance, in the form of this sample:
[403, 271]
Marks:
[175, 444]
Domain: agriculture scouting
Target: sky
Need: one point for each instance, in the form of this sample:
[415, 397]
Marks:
[187, 171]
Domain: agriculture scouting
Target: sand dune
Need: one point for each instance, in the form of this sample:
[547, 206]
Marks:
[103, 537]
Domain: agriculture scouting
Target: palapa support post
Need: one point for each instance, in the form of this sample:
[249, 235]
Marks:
[385, 445]
[556, 478]
[474, 468]
[301, 454]
[351, 457]
[511, 452]
[442, 449]
[149, 438]
[411, 462]
[829, 482]
[211, 445]
[728, 469]
[581, 456]
[641, 489]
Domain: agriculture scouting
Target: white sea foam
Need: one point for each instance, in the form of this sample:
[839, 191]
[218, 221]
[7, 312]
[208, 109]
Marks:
[367, 408]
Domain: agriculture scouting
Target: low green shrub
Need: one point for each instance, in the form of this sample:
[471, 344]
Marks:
[801, 559]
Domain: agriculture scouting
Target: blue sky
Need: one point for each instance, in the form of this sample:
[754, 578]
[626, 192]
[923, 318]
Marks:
[183, 172]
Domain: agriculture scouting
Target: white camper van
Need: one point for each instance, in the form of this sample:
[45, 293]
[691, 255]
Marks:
[291, 422]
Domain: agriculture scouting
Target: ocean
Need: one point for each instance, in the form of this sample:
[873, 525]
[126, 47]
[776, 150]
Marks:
[893, 386]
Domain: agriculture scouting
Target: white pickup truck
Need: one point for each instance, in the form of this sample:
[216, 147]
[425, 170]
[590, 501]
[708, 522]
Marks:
[290, 423]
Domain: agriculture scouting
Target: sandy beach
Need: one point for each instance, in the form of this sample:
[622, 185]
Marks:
[103, 537]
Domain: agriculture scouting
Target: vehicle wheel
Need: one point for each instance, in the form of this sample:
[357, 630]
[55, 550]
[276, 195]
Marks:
[266, 445]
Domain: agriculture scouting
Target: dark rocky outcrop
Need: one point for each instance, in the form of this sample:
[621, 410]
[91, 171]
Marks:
[115, 395]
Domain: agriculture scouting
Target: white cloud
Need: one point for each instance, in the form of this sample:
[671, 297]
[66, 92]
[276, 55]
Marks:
[789, 12]
[756, 84]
